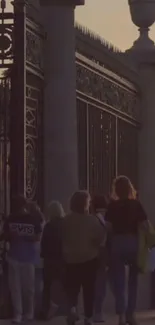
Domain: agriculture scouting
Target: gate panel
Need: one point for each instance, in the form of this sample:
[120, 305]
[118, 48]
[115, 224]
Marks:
[101, 150]
[17, 120]
[27, 103]
[112, 128]
[6, 60]
[34, 139]
[4, 146]
[127, 151]
[34, 108]
[82, 130]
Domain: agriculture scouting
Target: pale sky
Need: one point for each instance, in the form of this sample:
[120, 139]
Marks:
[111, 20]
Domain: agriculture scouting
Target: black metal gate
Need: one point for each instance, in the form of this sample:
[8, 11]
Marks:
[108, 116]
[6, 61]
[5, 85]
[21, 102]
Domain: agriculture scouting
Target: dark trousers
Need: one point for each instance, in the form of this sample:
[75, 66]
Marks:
[82, 275]
[124, 253]
[52, 272]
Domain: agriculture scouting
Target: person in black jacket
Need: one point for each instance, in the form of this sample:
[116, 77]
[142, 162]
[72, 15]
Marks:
[51, 252]
[125, 214]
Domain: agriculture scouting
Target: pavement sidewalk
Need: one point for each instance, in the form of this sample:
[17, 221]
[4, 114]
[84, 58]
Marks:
[144, 318]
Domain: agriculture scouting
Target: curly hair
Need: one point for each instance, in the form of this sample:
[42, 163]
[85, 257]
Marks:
[122, 188]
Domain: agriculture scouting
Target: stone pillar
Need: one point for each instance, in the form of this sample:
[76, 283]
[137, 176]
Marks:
[143, 54]
[60, 129]
[147, 139]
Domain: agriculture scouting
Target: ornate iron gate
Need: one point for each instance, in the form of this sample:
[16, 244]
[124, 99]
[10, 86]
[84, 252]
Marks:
[4, 146]
[21, 102]
[108, 121]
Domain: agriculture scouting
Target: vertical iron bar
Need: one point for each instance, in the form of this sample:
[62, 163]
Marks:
[116, 148]
[18, 111]
[88, 159]
[5, 103]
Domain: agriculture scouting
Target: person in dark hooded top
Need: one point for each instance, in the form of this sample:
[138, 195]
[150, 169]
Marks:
[51, 252]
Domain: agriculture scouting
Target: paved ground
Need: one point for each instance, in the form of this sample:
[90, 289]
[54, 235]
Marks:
[145, 318]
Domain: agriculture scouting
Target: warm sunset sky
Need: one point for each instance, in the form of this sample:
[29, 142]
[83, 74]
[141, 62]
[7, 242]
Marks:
[110, 19]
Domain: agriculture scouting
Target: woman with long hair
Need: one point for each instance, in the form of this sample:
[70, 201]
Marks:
[126, 215]
[82, 237]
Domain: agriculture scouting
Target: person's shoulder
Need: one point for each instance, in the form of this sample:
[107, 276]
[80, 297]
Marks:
[113, 204]
[135, 203]
[91, 216]
[8, 218]
[13, 217]
[69, 216]
[93, 219]
[28, 218]
[138, 205]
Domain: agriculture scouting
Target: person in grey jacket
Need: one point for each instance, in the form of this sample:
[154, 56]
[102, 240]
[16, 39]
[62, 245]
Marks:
[82, 237]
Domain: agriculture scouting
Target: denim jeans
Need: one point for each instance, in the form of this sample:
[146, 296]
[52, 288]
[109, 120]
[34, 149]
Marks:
[38, 289]
[124, 253]
[22, 287]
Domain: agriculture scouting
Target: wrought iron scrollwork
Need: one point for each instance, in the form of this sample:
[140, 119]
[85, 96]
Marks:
[109, 130]
[107, 91]
[6, 36]
[34, 50]
[31, 142]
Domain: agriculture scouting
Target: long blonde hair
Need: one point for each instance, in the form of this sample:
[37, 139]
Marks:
[122, 188]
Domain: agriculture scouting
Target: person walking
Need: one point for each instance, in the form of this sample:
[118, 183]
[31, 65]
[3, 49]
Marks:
[126, 215]
[35, 211]
[51, 252]
[99, 207]
[82, 237]
[22, 231]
